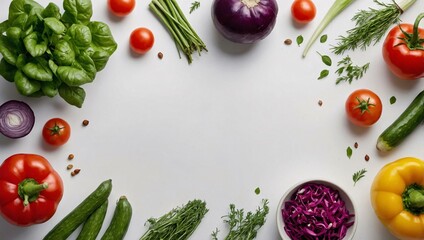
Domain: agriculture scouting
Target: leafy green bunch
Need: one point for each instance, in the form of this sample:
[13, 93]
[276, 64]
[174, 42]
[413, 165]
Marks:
[46, 53]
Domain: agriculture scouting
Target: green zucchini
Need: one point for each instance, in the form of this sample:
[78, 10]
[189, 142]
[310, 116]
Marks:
[403, 125]
[120, 221]
[93, 224]
[76, 217]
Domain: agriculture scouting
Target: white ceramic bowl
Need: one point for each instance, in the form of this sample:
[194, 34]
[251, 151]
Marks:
[345, 197]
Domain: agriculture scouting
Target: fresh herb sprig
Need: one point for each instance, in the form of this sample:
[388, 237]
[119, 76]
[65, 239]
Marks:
[371, 25]
[348, 72]
[179, 223]
[358, 175]
[194, 5]
[244, 226]
[185, 37]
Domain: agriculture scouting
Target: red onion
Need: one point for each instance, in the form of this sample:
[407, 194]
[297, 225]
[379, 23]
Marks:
[244, 21]
[16, 119]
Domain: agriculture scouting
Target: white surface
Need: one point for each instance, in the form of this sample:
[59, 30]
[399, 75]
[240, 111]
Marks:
[238, 118]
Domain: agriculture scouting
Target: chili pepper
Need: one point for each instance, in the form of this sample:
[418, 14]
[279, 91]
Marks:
[30, 189]
[397, 196]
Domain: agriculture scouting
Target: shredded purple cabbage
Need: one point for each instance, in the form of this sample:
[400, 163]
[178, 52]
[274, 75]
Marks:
[317, 212]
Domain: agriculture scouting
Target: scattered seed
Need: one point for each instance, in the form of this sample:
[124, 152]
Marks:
[288, 41]
[69, 167]
[85, 122]
[367, 158]
[356, 145]
[75, 172]
[160, 55]
[320, 103]
[71, 156]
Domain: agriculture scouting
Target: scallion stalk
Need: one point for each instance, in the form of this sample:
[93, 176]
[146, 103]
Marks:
[337, 7]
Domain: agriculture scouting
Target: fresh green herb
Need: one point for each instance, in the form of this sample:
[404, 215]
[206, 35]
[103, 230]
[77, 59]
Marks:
[46, 53]
[358, 175]
[337, 7]
[371, 25]
[325, 59]
[392, 100]
[349, 152]
[347, 71]
[299, 40]
[179, 223]
[324, 73]
[185, 37]
[244, 226]
[257, 191]
[194, 5]
[323, 38]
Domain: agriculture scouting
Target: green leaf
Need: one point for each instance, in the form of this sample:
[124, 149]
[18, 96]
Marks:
[102, 37]
[194, 5]
[8, 50]
[18, 8]
[392, 100]
[72, 95]
[323, 38]
[4, 26]
[7, 71]
[80, 35]
[73, 76]
[25, 85]
[63, 53]
[33, 46]
[77, 11]
[52, 10]
[349, 152]
[50, 89]
[55, 25]
[299, 40]
[325, 59]
[324, 73]
[38, 70]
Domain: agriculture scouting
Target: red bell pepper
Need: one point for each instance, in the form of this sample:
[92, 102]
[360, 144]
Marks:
[30, 189]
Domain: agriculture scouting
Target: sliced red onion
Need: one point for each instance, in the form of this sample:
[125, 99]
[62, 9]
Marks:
[16, 119]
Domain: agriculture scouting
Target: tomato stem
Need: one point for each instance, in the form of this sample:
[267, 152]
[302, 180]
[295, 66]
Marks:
[363, 105]
[413, 41]
[55, 129]
[29, 190]
[413, 199]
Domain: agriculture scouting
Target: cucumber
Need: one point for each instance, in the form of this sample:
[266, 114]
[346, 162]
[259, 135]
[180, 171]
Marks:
[76, 217]
[403, 125]
[120, 221]
[93, 224]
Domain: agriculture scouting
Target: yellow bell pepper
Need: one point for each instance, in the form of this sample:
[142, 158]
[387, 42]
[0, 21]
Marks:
[397, 196]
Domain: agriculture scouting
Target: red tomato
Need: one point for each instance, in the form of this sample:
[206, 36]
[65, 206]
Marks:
[121, 7]
[56, 132]
[303, 11]
[363, 107]
[141, 40]
[404, 55]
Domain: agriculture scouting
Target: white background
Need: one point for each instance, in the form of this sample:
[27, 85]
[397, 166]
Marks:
[239, 117]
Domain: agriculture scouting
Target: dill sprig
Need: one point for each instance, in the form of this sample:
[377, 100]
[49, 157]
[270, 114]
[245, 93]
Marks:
[370, 26]
[347, 71]
[244, 226]
[358, 175]
[194, 5]
[179, 223]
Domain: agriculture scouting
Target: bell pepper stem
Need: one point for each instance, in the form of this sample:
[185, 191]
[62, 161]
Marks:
[417, 199]
[29, 190]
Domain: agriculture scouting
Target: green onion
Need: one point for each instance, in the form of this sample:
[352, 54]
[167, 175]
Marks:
[337, 7]
[185, 37]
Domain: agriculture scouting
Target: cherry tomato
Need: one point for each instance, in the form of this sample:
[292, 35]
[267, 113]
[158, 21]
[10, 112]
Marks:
[56, 132]
[363, 107]
[121, 8]
[141, 40]
[303, 11]
[404, 53]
